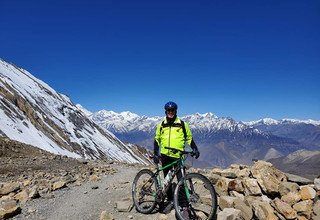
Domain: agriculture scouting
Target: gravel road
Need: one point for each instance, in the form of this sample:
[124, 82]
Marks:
[85, 202]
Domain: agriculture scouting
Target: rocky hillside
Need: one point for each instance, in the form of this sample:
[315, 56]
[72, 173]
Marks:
[33, 113]
[28, 173]
[302, 162]
[47, 186]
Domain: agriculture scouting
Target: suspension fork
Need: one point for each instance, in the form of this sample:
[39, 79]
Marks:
[185, 183]
[159, 186]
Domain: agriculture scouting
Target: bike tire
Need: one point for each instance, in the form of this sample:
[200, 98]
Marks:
[144, 184]
[203, 198]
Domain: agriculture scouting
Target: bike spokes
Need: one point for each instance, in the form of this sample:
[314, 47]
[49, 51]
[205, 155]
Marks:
[195, 198]
[144, 190]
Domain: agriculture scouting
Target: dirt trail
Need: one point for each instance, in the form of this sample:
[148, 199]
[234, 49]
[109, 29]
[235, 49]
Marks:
[84, 202]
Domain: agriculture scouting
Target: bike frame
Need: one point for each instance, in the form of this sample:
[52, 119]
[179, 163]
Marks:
[176, 170]
[153, 189]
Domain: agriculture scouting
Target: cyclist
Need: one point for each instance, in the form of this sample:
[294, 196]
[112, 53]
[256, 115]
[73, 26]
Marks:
[173, 133]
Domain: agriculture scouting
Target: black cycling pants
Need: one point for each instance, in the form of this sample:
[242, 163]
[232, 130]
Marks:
[165, 160]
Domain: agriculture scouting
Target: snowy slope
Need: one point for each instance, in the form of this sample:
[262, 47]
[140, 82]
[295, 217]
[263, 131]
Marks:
[32, 112]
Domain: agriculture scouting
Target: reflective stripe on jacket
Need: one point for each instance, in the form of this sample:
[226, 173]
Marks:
[172, 136]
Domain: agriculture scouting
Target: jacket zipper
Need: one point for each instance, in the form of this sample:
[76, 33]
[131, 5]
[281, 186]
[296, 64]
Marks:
[169, 136]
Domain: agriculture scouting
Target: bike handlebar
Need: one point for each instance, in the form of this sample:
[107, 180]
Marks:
[192, 154]
[180, 151]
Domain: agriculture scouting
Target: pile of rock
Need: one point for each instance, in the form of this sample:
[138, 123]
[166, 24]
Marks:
[33, 184]
[261, 191]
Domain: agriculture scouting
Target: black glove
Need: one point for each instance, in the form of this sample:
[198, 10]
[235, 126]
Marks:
[196, 153]
[156, 159]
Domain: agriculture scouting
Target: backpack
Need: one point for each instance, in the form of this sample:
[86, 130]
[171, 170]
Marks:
[176, 125]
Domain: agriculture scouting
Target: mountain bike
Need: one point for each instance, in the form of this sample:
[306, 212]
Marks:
[194, 195]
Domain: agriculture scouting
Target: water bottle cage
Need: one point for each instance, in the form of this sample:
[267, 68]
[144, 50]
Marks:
[168, 178]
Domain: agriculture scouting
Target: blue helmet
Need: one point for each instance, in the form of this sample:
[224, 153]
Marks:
[171, 105]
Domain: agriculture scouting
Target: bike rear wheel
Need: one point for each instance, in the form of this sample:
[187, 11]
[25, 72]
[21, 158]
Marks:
[144, 190]
[195, 198]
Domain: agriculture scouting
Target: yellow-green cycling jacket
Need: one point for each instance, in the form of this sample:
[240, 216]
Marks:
[173, 136]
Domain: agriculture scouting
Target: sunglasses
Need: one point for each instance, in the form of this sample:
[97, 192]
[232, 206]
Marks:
[171, 110]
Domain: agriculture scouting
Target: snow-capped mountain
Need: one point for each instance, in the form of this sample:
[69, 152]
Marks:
[124, 121]
[306, 132]
[270, 121]
[222, 140]
[130, 122]
[33, 113]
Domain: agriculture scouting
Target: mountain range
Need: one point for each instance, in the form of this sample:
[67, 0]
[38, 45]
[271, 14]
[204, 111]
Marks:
[32, 112]
[306, 132]
[221, 140]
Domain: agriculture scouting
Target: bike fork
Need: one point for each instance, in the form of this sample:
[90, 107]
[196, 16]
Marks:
[185, 185]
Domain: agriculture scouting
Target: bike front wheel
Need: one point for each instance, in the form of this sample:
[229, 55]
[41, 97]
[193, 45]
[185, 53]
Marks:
[195, 198]
[144, 190]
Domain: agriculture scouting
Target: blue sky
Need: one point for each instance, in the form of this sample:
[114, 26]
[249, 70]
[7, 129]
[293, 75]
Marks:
[241, 59]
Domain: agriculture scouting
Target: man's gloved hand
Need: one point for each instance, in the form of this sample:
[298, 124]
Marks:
[156, 159]
[196, 153]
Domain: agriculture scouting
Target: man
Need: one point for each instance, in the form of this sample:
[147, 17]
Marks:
[172, 133]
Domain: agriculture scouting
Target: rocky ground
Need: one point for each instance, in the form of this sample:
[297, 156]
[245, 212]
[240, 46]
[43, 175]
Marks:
[35, 184]
[38, 185]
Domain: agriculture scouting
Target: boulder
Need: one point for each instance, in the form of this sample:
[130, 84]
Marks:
[213, 178]
[307, 192]
[216, 171]
[285, 209]
[33, 192]
[246, 211]
[291, 198]
[236, 194]
[221, 186]
[58, 185]
[298, 179]
[268, 177]
[236, 185]
[226, 202]
[9, 187]
[8, 209]
[22, 196]
[304, 208]
[251, 187]
[244, 173]
[263, 210]
[229, 173]
[229, 214]
[286, 187]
